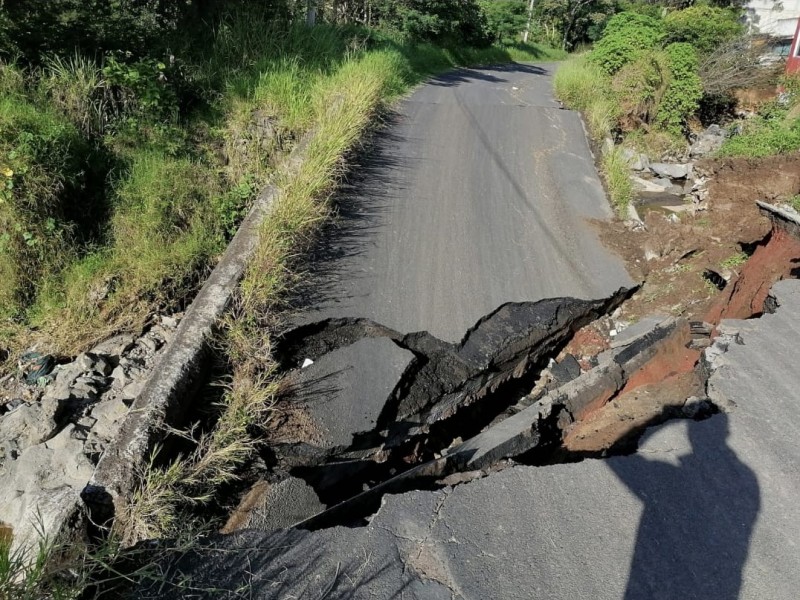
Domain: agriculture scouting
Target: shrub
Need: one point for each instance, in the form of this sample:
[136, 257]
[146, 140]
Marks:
[682, 96]
[640, 87]
[43, 167]
[442, 21]
[505, 18]
[705, 27]
[625, 38]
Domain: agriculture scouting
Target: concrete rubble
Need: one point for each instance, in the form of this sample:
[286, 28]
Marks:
[51, 441]
[704, 509]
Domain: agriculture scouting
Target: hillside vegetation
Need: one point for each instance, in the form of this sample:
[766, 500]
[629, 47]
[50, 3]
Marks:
[656, 73]
[131, 149]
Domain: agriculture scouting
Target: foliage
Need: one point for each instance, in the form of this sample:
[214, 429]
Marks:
[568, 23]
[618, 181]
[61, 26]
[44, 201]
[640, 87]
[441, 21]
[682, 96]
[763, 137]
[625, 38]
[506, 19]
[705, 27]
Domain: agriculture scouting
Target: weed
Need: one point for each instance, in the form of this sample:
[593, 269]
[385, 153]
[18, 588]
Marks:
[794, 202]
[737, 260]
[618, 181]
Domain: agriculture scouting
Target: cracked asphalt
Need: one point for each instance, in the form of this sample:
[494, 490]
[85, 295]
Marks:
[477, 193]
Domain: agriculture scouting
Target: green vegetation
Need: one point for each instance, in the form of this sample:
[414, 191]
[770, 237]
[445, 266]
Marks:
[736, 260]
[703, 26]
[618, 181]
[626, 37]
[124, 177]
[641, 84]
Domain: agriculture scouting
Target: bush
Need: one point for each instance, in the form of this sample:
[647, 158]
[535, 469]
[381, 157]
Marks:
[764, 137]
[626, 37]
[506, 19]
[705, 27]
[43, 166]
[640, 87]
[446, 22]
[682, 96]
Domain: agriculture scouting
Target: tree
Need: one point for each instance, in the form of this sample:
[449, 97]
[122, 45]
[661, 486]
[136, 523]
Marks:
[506, 18]
[443, 21]
[576, 21]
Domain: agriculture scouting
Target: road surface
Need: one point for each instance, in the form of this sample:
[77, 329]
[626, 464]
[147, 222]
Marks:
[478, 193]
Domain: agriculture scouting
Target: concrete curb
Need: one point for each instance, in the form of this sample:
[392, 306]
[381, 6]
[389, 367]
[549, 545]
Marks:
[168, 394]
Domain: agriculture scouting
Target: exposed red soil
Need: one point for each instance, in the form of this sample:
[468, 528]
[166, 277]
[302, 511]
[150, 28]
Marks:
[743, 298]
[664, 382]
[681, 251]
[672, 358]
[627, 414]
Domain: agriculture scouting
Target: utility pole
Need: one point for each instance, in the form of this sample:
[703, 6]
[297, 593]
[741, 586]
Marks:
[530, 20]
[311, 13]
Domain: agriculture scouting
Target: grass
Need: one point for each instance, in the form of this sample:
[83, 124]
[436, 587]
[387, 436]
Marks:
[585, 87]
[736, 260]
[618, 181]
[763, 137]
[794, 202]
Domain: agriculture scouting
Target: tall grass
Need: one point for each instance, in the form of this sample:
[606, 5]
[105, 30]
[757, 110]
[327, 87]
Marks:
[616, 171]
[585, 87]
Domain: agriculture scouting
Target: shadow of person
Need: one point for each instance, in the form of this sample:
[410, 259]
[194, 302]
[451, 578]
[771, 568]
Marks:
[697, 520]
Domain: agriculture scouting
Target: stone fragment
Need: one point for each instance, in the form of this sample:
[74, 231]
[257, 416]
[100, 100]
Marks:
[270, 506]
[650, 185]
[86, 361]
[119, 378]
[670, 171]
[566, 370]
[115, 346]
[132, 390]
[169, 322]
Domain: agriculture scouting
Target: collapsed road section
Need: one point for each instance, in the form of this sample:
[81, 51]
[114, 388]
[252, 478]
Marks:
[704, 509]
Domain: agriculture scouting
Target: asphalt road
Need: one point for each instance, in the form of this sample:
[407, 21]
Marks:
[477, 193]
[703, 511]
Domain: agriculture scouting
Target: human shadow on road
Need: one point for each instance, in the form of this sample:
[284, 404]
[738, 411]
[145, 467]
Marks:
[698, 517]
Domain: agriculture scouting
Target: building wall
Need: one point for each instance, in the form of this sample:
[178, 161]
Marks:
[776, 18]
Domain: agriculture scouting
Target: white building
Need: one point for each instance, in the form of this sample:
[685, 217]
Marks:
[777, 18]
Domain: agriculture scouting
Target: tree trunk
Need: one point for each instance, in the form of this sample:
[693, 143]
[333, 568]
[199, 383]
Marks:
[311, 13]
[530, 20]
